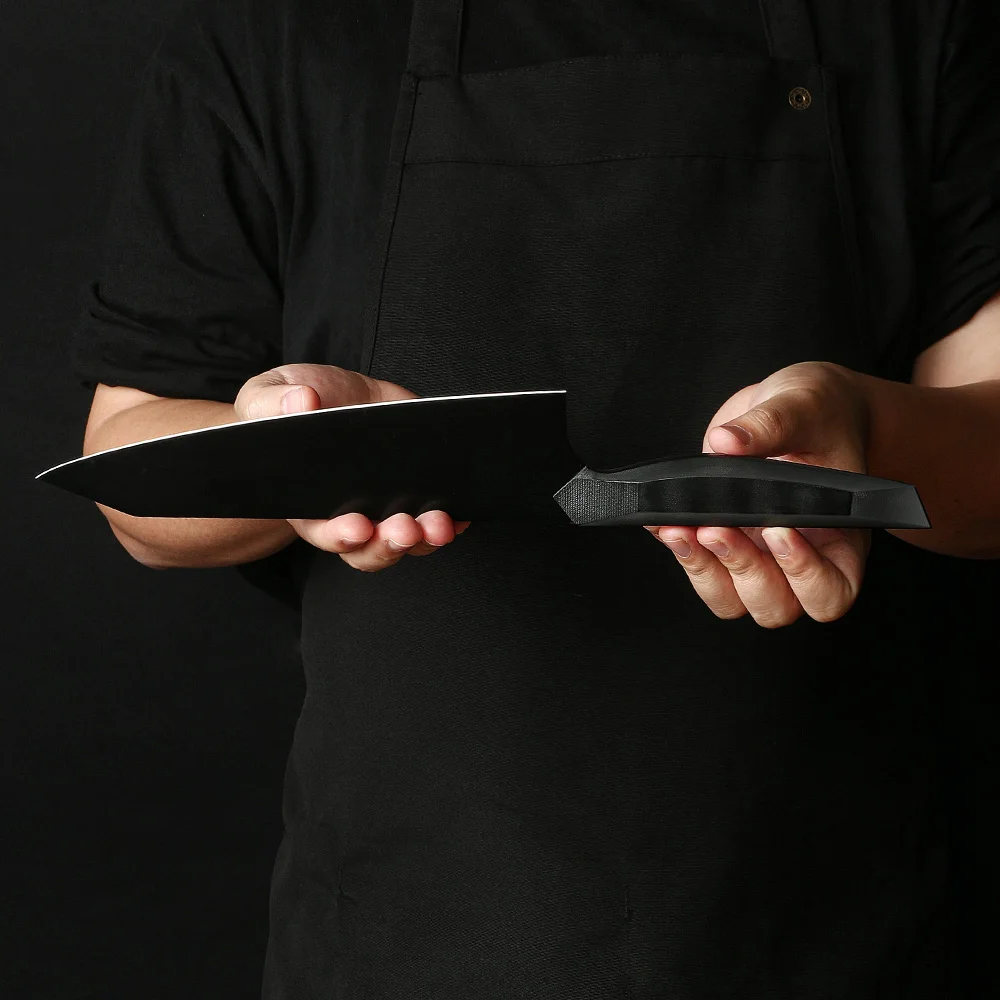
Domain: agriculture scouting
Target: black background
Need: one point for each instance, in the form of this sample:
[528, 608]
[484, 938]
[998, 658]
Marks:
[146, 715]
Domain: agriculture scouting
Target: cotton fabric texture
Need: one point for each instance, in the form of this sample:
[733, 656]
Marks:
[534, 765]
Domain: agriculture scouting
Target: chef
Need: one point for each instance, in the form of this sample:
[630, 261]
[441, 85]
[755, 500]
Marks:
[540, 760]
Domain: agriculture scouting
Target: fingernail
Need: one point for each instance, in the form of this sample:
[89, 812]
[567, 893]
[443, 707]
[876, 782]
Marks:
[776, 542]
[740, 433]
[717, 546]
[293, 402]
[399, 546]
[677, 545]
[353, 543]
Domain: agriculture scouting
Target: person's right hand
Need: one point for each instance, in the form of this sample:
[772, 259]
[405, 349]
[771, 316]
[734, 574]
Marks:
[358, 541]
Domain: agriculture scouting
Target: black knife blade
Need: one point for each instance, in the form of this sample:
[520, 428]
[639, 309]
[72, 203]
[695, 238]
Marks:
[482, 456]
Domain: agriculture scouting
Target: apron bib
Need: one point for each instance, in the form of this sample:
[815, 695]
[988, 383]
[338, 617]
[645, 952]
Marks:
[533, 764]
[650, 232]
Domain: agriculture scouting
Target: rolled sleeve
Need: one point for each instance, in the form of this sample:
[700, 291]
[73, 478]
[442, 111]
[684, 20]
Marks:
[961, 265]
[185, 299]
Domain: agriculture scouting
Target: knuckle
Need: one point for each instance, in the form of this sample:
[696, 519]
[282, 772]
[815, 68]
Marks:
[254, 407]
[289, 374]
[729, 612]
[770, 421]
[743, 568]
[803, 572]
[829, 613]
[699, 569]
[815, 394]
[769, 623]
[273, 376]
[777, 619]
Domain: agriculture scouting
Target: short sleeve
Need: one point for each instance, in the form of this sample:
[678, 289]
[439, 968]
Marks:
[960, 264]
[185, 298]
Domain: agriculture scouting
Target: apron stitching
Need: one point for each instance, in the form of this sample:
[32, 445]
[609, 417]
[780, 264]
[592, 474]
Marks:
[409, 127]
[459, 19]
[766, 22]
[556, 64]
[626, 156]
[399, 165]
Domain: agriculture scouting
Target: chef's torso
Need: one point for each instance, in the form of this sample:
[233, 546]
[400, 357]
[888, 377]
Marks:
[534, 765]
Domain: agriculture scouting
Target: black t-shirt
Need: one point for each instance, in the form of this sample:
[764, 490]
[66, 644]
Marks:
[249, 185]
[798, 844]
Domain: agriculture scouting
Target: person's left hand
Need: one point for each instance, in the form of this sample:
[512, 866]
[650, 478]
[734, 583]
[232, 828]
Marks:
[815, 413]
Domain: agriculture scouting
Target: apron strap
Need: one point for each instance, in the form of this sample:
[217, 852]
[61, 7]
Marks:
[435, 38]
[789, 29]
[436, 34]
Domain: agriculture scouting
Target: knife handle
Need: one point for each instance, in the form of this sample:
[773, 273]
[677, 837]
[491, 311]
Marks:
[740, 491]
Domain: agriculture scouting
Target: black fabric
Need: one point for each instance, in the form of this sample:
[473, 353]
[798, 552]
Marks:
[773, 796]
[549, 796]
[471, 120]
[534, 765]
[250, 184]
[188, 302]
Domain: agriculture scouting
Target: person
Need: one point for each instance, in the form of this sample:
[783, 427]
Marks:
[544, 761]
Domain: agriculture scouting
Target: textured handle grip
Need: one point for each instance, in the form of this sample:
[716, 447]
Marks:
[739, 491]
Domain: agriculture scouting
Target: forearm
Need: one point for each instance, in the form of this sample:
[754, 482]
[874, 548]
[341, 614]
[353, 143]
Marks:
[946, 441]
[166, 542]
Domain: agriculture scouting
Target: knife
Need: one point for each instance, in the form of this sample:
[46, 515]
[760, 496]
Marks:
[477, 457]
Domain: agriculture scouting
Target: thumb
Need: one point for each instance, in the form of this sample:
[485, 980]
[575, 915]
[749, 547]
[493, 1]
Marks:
[776, 426]
[259, 399]
[295, 388]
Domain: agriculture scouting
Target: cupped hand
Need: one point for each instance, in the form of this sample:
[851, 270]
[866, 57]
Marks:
[815, 413]
[360, 542]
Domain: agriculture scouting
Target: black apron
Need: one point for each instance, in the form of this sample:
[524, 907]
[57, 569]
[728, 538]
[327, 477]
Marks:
[533, 764]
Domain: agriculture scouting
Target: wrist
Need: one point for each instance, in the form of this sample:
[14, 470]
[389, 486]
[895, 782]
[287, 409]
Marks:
[855, 403]
[939, 439]
[892, 416]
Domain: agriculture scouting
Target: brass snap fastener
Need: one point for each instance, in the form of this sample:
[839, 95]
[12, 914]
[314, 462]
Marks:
[800, 98]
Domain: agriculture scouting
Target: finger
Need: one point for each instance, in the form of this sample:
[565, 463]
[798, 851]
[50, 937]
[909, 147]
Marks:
[822, 539]
[790, 423]
[295, 388]
[341, 386]
[756, 577]
[345, 533]
[266, 395]
[770, 428]
[735, 406]
[392, 539]
[825, 580]
[752, 533]
[787, 422]
[710, 579]
[438, 530]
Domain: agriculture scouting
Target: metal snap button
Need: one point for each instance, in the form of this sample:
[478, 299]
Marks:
[799, 98]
